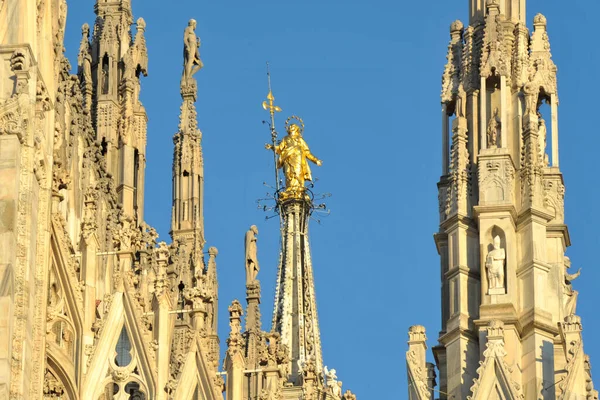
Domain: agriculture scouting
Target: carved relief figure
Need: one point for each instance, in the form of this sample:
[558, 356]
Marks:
[531, 92]
[293, 155]
[494, 265]
[191, 52]
[104, 77]
[493, 130]
[461, 102]
[570, 301]
[542, 140]
[252, 266]
[87, 69]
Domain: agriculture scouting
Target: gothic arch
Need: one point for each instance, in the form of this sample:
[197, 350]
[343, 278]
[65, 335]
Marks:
[493, 190]
[56, 366]
[103, 370]
[64, 307]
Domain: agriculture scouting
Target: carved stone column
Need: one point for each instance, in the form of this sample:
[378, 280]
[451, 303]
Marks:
[161, 304]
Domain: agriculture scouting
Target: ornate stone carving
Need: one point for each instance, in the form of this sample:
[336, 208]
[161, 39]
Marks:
[53, 387]
[541, 69]
[452, 70]
[495, 56]
[494, 357]
[416, 333]
[496, 180]
[592, 394]
[235, 342]
[89, 224]
[272, 352]
[161, 256]
[531, 168]
[460, 172]
[348, 396]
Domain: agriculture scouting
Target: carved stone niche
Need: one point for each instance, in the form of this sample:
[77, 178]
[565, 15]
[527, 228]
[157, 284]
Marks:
[496, 177]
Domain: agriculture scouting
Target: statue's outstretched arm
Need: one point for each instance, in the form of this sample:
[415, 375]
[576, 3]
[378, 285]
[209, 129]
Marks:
[314, 159]
[572, 277]
[310, 155]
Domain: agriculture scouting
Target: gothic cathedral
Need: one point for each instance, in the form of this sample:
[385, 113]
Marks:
[93, 306]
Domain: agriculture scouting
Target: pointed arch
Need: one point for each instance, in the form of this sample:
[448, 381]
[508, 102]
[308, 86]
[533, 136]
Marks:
[63, 373]
[103, 368]
[494, 379]
[196, 378]
[64, 304]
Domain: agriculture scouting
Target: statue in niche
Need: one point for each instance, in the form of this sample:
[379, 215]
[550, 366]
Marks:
[461, 102]
[531, 93]
[494, 264]
[104, 78]
[252, 266]
[493, 130]
[570, 301]
[191, 52]
[542, 131]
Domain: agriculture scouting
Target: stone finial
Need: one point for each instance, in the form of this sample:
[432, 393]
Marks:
[416, 333]
[572, 324]
[141, 24]
[539, 20]
[235, 310]
[235, 340]
[495, 329]
[211, 271]
[349, 395]
[162, 252]
[456, 26]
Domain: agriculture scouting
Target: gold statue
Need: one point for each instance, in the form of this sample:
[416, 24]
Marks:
[293, 155]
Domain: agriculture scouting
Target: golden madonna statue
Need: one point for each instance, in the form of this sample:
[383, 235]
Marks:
[293, 155]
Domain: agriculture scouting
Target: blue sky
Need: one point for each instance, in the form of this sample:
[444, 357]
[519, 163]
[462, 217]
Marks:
[365, 77]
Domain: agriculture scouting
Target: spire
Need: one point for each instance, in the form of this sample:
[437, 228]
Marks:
[110, 70]
[187, 222]
[295, 315]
